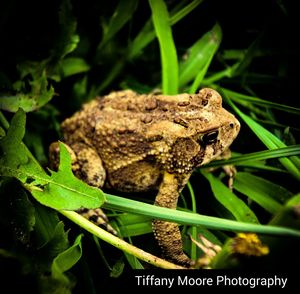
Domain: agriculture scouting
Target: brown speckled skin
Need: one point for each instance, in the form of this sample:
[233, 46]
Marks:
[136, 143]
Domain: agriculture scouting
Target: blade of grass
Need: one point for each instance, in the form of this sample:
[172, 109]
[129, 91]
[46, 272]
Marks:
[161, 21]
[260, 155]
[113, 73]
[248, 56]
[128, 205]
[237, 97]
[270, 140]
[230, 201]
[226, 73]
[147, 34]
[132, 260]
[275, 124]
[249, 186]
[137, 229]
[184, 11]
[254, 166]
[121, 16]
[199, 56]
[133, 225]
[216, 36]
[269, 188]
[193, 229]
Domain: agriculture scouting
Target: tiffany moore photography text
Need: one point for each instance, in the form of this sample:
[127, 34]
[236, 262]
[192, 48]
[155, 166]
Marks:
[216, 281]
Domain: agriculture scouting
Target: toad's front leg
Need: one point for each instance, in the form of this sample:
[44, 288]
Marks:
[168, 233]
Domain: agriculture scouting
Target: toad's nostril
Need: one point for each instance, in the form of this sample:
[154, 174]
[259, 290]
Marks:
[231, 125]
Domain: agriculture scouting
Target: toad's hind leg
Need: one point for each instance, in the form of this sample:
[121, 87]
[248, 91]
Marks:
[168, 233]
[87, 166]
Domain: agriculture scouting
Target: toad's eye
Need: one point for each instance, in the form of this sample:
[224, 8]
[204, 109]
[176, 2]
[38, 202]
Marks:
[210, 137]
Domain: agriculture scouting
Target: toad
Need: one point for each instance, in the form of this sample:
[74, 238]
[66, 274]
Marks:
[145, 142]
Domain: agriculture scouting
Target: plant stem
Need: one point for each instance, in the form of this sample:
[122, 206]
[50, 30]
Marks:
[117, 242]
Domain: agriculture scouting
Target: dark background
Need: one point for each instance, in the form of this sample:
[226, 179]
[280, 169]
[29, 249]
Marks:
[29, 31]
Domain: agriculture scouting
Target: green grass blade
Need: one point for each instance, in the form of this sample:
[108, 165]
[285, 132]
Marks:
[199, 57]
[255, 156]
[257, 166]
[147, 33]
[230, 201]
[161, 21]
[226, 73]
[128, 205]
[74, 65]
[184, 11]
[133, 225]
[193, 229]
[113, 73]
[133, 261]
[270, 140]
[121, 16]
[258, 190]
[136, 229]
[267, 187]
[238, 97]
[248, 57]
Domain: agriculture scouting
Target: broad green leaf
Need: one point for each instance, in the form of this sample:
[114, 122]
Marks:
[38, 96]
[161, 21]
[199, 57]
[46, 224]
[60, 190]
[66, 260]
[65, 191]
[14, 158]
[57, 243]
[260, 191]
[229, 200]
[123, 13]
[14, 102]
[74, 65]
